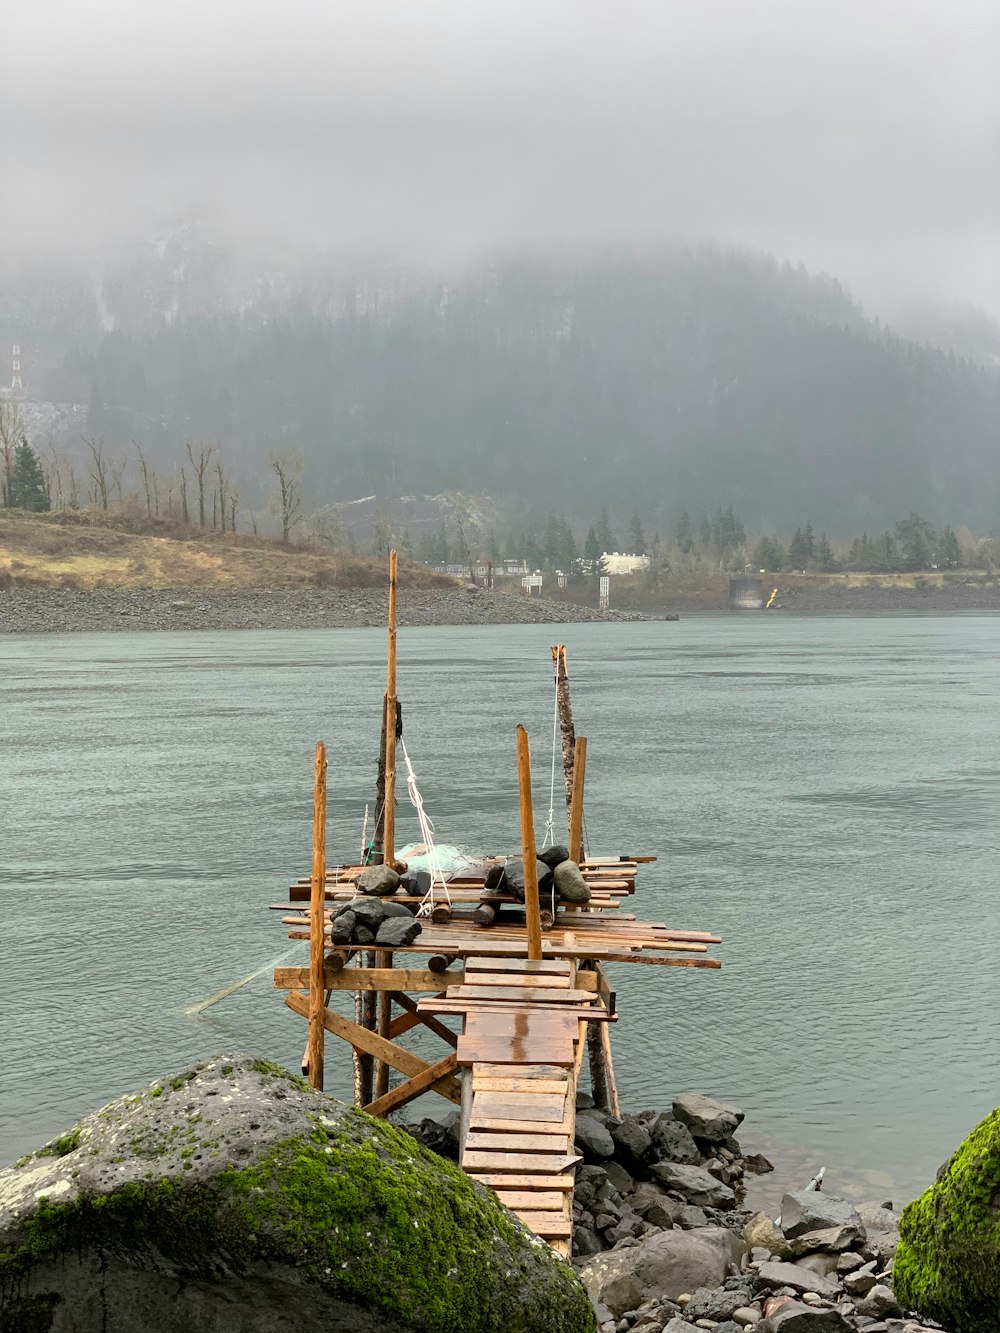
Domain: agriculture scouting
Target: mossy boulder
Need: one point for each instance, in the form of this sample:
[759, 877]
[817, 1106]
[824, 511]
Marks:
[948, 1260]
[233, 1196]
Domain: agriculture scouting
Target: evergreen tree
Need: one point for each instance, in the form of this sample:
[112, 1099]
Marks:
[916, 540]
[949, 554]
[704, 529]
[441, 551]
[28, 489]
[798, 550]
[824, 556]
[605, 537]
[683, 534]
[636, 535]
[885, 556]
[592, 549]
[809, 543]
[768, 554]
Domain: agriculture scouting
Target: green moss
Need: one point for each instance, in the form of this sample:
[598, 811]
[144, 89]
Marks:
[268, 1067]
[948, 1262]
[361, 1210]
[156, 1092]
[67, 1143]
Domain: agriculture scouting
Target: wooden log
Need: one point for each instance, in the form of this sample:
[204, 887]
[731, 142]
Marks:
[414, 1016]
[441, 913]
[370, 1042]
[565, 712]
[609, 1067]
[485, 914]
[389, 834]
[528, 847]
[576, 803]
[413, 1087]
[440, 962]
[314, 1047]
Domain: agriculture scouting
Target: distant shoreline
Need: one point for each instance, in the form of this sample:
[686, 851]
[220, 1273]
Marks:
[34, 610]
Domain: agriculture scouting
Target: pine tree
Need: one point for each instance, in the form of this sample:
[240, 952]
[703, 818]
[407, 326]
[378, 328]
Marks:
[824, 556]
[704, 529]
[949, 554]
[768, 555]
[636, 535]
[605, 537]
[684, 535]
[798, 550]
[28, 484]
[592, 549]
[810, 544]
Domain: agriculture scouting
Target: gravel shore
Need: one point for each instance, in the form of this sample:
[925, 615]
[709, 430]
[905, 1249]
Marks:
[68, 610]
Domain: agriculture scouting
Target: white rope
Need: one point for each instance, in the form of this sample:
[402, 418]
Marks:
[427, 837]
[364, 837]
[550, 823]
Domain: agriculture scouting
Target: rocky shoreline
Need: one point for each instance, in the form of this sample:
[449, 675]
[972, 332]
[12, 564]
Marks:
[33, 610]
[663, 1243]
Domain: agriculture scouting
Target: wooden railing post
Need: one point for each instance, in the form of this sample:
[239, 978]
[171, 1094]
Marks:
[528, 853]
[317, 904]
[576, 804]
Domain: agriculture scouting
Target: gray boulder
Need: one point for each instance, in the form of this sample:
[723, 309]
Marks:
[695, 1184]
[368, 912]
[554, 856]
[233, 1197]
[382, 881]
[716, 1303]
[672, 1141]
[794, 1317]
[707, 1118]
[775, 1274]
[812, 1210]
[570, 884]
[397, 933]
[880, 1303]
[761, 1231]
[632, 1138]
[831, 1239]
[654, 1204]
[343, 926]
[666, 1264]
[593, 1140]
[514, 877]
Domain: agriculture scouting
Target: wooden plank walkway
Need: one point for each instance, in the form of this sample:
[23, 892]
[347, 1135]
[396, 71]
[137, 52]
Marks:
[518, 1058]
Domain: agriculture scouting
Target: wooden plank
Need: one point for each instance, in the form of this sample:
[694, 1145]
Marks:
[504, 1180]
[550, 1200]
[317, 1004]
[534, 1072]
[520, 1106]
[514, 1084]
[496, 980]
[412, 1088]
[502, 1141]
[497, 1051]
[479, 1120]
[417, 980]
[520, 1163]
[594, 1014]
[372, 1044]
[552, 966]
[546, 1225]
[523, 994]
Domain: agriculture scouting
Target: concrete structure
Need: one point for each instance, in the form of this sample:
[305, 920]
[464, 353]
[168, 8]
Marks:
[614, 562]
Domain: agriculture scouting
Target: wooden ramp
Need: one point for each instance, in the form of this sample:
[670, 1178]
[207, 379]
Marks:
[518, 1057]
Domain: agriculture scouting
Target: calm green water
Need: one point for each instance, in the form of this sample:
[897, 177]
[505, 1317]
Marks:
[822, 792]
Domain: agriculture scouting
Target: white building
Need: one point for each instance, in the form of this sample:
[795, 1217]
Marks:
[615, 563]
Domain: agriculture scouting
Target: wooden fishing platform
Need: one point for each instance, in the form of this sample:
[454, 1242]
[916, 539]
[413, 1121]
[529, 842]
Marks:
[516, 992]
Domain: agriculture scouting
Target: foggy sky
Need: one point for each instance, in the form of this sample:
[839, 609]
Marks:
[861, 137]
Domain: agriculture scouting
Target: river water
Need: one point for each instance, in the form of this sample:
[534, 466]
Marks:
[823, 792]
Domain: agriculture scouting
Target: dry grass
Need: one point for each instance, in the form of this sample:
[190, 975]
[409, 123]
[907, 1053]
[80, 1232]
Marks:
[44, 550]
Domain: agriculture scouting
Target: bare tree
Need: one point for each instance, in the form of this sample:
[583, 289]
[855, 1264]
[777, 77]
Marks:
[200, 465]
[147, 485]
[53, 479]
[222, 490]
[287, 467]
[234, 500]
[184, 499]
[11, 434]
[99, 472]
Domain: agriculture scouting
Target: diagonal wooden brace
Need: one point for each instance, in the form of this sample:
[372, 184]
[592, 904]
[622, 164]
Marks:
[372, 1044]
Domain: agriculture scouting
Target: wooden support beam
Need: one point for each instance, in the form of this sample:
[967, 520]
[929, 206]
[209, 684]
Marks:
[417, 979]
[564, 709]
[576, 802]
[413, 1087]
[383, 959]
[414, 1016]
[389, 827]
[372, 1044]
[314, 1048]
[528, 847]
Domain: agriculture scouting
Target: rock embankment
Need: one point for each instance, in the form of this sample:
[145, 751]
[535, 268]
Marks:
[233, 1197]
[26, 610]
[663, 1244]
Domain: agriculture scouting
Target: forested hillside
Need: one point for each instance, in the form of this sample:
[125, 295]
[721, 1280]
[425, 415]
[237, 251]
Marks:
[692, 379]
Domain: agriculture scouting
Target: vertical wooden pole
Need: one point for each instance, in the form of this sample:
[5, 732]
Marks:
[576, 804]
[528, 847]
[317, 904]
[389, 827]
[565, 711]
[383, 958]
